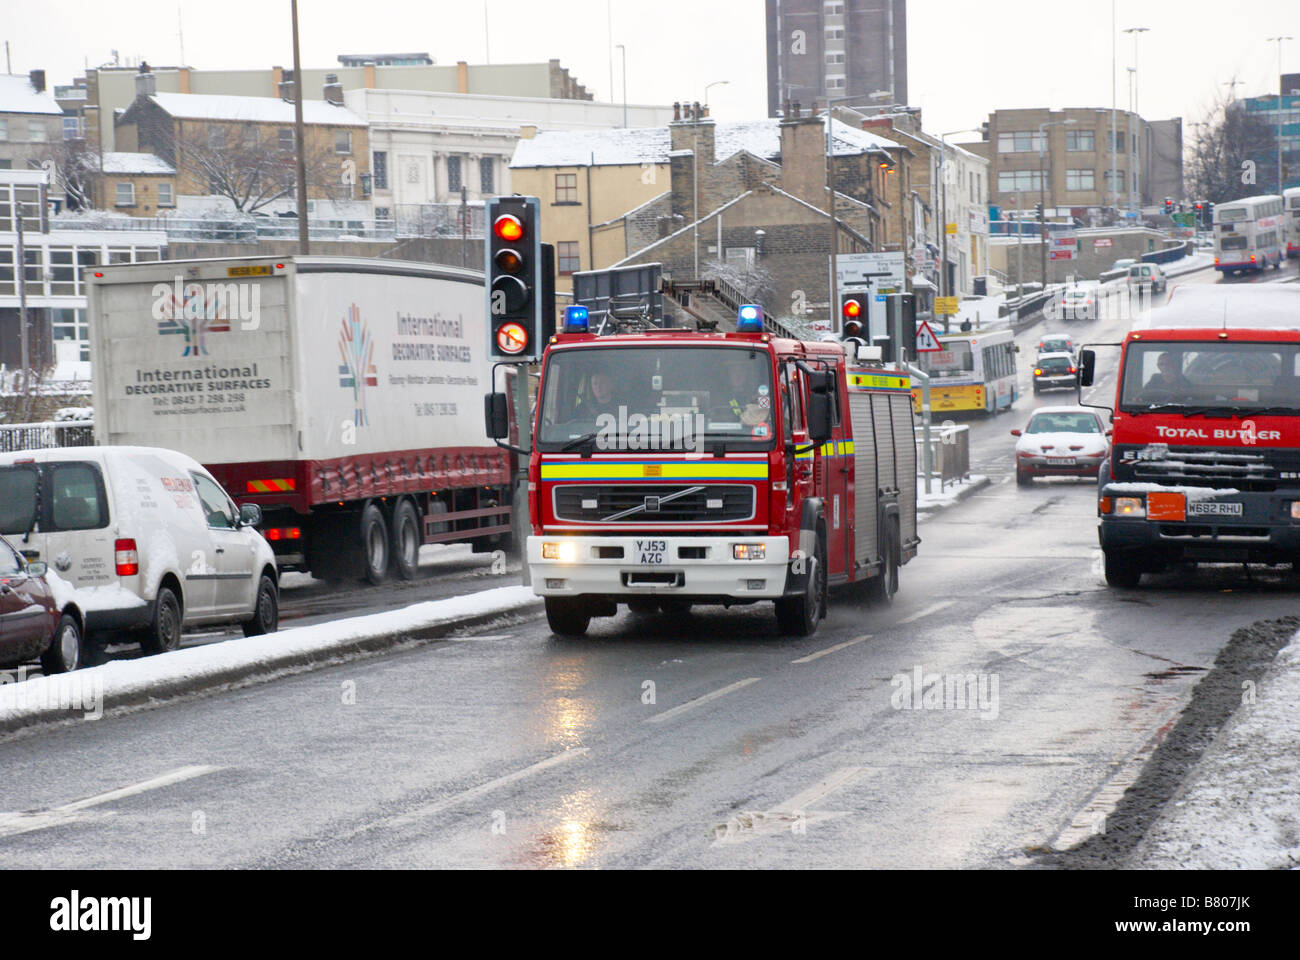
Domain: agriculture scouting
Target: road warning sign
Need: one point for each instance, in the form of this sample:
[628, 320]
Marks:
[926, 341]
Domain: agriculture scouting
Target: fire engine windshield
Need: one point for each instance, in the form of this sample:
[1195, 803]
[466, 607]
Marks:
[656, 398]
[1209, 378]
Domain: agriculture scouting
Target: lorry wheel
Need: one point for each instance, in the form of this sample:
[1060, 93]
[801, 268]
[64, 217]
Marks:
[164, 632]
[799, 616]
[1122, 571]
[406, 541]
[67, 649]
[374, 544]
[266, 615]
[643, 608]
[567, 617]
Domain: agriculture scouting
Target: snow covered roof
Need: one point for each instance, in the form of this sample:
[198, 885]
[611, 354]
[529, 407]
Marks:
[1256, 307]
[203, 106]
[17, 95]
[762, 138]
[116, 162]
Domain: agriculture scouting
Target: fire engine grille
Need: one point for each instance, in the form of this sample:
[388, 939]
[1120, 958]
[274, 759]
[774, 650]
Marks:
[1206, 467]
[654, 503]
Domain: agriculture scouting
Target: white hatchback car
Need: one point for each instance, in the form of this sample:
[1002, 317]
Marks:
[1061, 442]
[144, 538]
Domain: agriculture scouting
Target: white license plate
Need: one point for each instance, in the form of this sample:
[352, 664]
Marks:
[1062, 462]
[1214, 509]
[651, 552]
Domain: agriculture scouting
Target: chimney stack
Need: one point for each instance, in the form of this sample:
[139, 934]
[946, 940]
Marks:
[333, 89]
[803, 158]
[38, 80]
[286, 86]
[146, 84]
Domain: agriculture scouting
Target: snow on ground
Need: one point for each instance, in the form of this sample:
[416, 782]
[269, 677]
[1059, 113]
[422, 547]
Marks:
[945, 496]
[214, 664]
[1197, 261]
[1238, 809]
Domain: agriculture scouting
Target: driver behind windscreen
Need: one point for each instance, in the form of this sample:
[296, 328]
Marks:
[749, 402]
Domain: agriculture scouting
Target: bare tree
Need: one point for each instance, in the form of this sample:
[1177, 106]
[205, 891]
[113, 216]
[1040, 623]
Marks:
[74, 168]
[235, 162]
[1228, 145]
[753, 281]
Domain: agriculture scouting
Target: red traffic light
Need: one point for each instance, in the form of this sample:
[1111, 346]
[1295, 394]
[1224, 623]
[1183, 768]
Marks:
[852, 309]
[509, 228]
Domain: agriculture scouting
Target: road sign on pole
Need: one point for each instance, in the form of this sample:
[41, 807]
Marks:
[926, 341]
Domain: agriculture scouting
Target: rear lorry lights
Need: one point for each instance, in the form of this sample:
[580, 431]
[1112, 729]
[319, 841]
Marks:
[126, 558]
[283, 533]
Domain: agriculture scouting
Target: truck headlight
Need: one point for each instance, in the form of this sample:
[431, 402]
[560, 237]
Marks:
[1129, 507]
[749, 551]
[563, 552]
[1295, 509]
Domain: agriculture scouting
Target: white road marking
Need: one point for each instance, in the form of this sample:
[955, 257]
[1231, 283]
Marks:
[25, 822]
[839, 646]
[700, 701]
[786, 817]
[933, 608]
[473, 793]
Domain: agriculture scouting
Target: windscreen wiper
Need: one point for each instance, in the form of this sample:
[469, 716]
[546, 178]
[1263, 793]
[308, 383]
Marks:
[579, 443]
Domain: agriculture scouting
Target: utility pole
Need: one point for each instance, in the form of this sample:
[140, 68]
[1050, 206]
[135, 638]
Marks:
[1136, 116]
[304, 239]
[623, 49]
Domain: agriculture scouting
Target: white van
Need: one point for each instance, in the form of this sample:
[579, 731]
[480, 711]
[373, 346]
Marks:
[145, 537]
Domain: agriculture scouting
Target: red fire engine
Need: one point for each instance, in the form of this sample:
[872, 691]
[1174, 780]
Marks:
[673, 467]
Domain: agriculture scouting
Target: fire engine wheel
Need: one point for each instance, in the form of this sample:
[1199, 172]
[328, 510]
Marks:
[884, 587]
[374, 544]
[799, 616]
[406, 541]
[567, 617]
[1122, 571]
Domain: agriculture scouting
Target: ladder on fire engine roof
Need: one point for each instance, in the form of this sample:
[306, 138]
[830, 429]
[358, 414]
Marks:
[713, 304]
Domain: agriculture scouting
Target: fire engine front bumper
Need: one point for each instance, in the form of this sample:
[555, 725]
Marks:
[625, 568]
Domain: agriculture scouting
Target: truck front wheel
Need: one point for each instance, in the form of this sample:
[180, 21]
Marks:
[1122, 570]
[799, 616]
[567, 617]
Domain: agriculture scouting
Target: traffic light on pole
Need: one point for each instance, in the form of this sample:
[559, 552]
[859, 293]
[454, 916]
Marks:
[515, 281]
[853, 310]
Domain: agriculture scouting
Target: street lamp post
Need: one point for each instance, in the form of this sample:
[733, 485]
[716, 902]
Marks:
[1136, 32]
[1042, 191]
[1280, 94]
[623, 49]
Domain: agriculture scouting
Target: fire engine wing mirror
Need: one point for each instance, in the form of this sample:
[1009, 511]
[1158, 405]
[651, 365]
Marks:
[496, 416]
[1087, 367]
[821, 396]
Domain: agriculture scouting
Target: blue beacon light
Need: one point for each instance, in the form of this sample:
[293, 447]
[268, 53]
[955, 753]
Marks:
[575, 319]
[749, 318]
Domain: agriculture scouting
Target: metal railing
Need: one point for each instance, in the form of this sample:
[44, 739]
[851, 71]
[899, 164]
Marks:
[15, 437]
[949, 453]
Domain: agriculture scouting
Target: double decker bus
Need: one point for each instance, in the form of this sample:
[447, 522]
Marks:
[975, 371]
[1249, 234]
[1291, 201]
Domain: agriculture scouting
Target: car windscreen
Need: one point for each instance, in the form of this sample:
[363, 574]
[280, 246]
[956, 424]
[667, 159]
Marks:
[1063, 423]
[1211, 376]
[656, 398]
[17, 499]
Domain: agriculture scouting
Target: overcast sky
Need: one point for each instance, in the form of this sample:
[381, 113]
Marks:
[965, 58]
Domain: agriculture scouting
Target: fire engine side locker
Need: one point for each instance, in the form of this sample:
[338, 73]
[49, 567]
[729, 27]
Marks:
[880, 411]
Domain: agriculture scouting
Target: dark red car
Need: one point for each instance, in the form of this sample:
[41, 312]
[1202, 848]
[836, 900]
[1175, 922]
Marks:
[31, 623]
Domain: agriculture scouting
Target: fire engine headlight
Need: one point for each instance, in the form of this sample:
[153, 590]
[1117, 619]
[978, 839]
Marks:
[563, 552]
[749, 551]
[1128, 507]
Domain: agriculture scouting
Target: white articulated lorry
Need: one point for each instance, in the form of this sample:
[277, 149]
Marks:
[342, 396]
